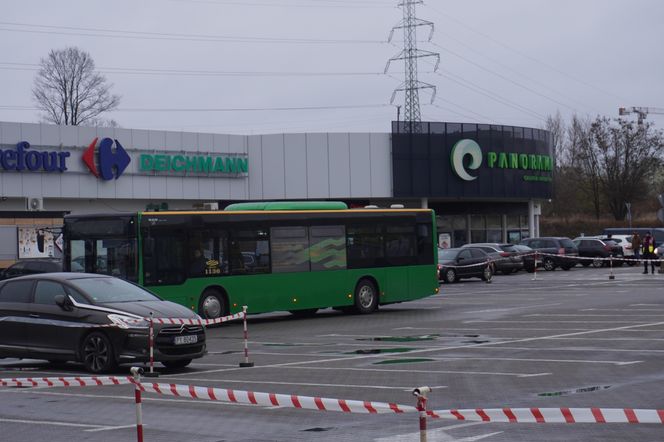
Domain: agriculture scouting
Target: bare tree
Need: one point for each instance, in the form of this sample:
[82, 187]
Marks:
[69, 91]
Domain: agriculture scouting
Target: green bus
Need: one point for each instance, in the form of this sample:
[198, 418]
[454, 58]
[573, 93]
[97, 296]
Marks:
[290, 256]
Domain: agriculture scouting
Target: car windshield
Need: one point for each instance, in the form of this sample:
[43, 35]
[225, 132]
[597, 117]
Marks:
[104, 290]
[446, 254]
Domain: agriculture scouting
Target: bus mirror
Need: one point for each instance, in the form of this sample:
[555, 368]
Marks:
[148, 247]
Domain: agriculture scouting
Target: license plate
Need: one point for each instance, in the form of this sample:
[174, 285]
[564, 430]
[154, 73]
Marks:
[180, 340]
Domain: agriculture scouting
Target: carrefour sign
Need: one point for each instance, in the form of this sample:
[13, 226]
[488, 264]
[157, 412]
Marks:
[20, 158]
[470, 149]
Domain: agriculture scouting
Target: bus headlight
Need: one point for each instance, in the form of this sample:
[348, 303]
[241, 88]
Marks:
[126, 322]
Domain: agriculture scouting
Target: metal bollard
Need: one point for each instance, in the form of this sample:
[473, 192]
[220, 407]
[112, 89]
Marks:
[246, 362]
[136, 373]
[151, 373]
[421, 394]
[535, 272]
[611, 275]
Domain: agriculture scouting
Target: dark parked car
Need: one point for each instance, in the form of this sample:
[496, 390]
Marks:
[505, 257]
[468, 262]
[31, 267]
[598, 249]
[528, 256]
[560, 252]
[94, 319]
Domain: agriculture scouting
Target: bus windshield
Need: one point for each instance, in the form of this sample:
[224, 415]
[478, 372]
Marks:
[104, 246]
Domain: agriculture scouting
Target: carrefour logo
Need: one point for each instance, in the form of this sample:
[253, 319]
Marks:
[462, 149]
[107, 164]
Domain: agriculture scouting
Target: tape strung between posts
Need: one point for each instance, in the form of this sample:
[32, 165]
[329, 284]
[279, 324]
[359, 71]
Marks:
[77, 381]
[554, 415]
[275, 400]
[508, 415]
[191, 321]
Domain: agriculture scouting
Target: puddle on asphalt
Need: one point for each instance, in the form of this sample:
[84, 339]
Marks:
[401, 338]
[403, 361]
[576, 391]
[476, 341]
[319, 429]
[375, 351]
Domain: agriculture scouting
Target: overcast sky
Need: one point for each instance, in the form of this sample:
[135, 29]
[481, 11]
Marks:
[510, 61]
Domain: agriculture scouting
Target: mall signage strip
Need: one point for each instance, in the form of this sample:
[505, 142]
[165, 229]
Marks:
[197, 163]
[19, 159]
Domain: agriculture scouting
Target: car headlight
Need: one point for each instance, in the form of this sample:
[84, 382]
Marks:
[125, 322]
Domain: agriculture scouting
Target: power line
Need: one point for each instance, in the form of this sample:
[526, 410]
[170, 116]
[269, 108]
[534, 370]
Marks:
[141, 35]
[493, 39]
[489, 94]
[187, 72]
[514, 71]
[533, 91]
[228, 109]
[308, 4]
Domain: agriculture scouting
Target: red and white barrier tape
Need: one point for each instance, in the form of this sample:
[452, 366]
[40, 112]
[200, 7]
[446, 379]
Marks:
[507, 415]
[91, 381]
[274, 400]
[554, 415]
[193, 321]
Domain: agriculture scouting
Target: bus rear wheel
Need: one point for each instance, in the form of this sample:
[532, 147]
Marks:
[366, 297]
[212, 304]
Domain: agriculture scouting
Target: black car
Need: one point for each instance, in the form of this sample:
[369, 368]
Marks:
[32, 267]
[505, 258]
[554, 252]
[528, 256]
[98, 320]
[598, 250]
[467, 262]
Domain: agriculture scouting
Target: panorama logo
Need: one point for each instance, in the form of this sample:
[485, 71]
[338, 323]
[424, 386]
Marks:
[103, 161]
[462, 149]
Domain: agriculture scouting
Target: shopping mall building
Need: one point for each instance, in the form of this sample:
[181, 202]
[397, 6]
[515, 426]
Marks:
[485, 182]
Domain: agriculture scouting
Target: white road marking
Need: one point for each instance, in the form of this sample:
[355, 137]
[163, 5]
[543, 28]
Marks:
[438, 435]
[506, 309]
[456, 347]
[57, 424]
[465, 372]
[590, 315]
[119, 427]
[586, 350]
[301, 384]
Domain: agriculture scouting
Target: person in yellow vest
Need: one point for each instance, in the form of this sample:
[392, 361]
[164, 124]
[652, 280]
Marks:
[648, 252]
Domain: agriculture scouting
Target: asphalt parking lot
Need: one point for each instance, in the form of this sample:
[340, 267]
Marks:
[567, 339]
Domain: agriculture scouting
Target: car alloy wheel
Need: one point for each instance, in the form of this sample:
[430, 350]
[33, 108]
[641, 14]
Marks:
[549, 265]
[97, 353]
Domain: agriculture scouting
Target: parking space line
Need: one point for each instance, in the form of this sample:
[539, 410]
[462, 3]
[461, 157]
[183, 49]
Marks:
[385, 370]
[299, 384]
[456, 347]
[586, 350]
[438, 434]
[56, 424]
[118, 427]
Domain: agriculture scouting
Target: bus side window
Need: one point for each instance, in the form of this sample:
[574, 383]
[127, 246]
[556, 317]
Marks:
[249, 251]
[165, 263]
[424, 244]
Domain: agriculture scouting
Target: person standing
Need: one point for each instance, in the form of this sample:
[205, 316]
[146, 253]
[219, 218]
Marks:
[648, 250]
[636, 245]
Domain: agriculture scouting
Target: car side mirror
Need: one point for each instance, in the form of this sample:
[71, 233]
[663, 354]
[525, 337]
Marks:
[63, 302]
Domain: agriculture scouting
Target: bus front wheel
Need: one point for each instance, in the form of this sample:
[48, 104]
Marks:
[366, 297]
[212, 305]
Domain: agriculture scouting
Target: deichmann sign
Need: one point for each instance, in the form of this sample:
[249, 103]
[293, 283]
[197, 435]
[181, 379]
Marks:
[198, 164]
[501, 160]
